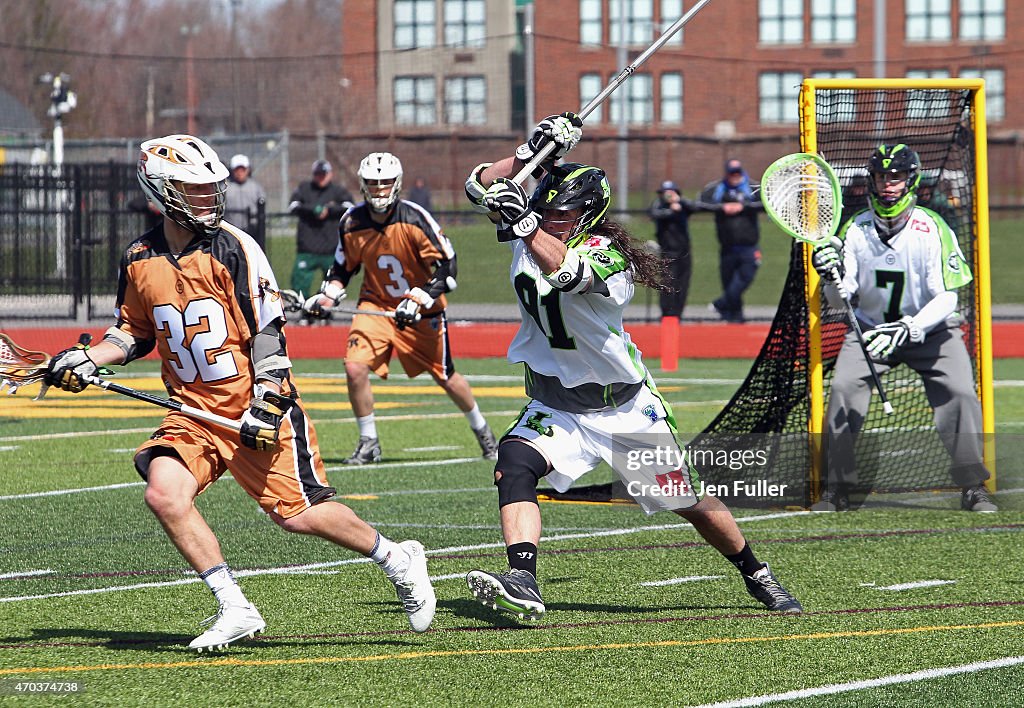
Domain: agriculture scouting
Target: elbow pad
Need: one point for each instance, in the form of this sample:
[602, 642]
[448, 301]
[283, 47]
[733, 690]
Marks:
[574, 275]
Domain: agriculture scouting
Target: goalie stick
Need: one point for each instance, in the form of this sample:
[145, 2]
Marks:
[801, 194]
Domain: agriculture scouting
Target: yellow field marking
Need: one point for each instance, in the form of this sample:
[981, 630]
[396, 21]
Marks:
[27, 408]
[359, 497]
[405, 656]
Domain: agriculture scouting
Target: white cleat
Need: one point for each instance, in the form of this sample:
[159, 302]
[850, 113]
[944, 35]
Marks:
[231, 623]
[414, 588]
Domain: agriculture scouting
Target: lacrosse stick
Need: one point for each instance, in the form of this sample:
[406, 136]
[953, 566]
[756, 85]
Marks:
[543, 153]
[373, 313]
[801, 194]
[18, 366]
[183, 408]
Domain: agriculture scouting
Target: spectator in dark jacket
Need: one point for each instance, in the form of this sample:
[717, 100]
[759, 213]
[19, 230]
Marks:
[319, 204]
[736, 212]
[671, 215]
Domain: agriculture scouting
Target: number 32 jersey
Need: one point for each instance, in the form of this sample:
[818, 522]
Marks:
[202, 309]
[899, 278]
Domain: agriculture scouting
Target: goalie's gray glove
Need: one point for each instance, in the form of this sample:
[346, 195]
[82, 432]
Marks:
[261, 424]
[408, 311]
[510, 201]
[319, 305]
[884, 340]
[67, 369]
[564, 130]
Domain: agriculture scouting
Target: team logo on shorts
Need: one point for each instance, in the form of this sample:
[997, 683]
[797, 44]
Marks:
[651, 412]
[536, 423]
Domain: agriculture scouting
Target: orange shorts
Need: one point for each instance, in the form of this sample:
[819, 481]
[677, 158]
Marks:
[421, 347]
[285, 481]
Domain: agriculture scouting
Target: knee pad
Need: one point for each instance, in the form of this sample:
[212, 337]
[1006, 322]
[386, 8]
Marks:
[520, 466]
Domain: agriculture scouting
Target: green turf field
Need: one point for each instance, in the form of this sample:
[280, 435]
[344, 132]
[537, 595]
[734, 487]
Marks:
[639, 612]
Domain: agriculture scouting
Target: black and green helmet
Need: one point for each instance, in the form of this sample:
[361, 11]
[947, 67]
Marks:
[573, 185]
[892, 212]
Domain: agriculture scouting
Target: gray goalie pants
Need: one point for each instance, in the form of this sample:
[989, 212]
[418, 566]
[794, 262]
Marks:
[945, 369]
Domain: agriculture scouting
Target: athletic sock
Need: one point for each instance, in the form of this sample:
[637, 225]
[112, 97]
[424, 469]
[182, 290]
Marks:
[475, 418]
[367, 426]
[523, 556]
[391, 557]
[745, 561]
[221, 582]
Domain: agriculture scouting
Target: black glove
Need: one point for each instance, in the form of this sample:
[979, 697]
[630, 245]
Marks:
[261, 424]
[510, 200]
[67, 369]
[407, 313]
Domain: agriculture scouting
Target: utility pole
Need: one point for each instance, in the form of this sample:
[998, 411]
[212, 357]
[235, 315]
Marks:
[62, 101]
[188, 32]
[236, 108]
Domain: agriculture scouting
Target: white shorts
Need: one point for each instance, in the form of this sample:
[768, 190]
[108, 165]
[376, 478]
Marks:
[635, 439]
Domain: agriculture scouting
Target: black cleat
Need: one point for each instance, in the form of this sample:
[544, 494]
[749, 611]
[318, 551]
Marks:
[977, 499]
[515, 592]
[367, 452]
[764, 587]
[488, 444]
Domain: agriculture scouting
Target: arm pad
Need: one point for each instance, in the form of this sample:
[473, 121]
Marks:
[132, 347]
[269, 356]
[443, 280]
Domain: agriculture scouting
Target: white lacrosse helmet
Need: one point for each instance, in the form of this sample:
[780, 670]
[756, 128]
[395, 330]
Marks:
[380, 167]
[167, 164]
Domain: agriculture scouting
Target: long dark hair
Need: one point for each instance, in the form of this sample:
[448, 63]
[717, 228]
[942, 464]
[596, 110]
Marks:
[649, 268]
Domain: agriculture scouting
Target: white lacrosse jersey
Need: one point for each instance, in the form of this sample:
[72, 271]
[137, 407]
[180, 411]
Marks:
[896, 279]
[577, 338]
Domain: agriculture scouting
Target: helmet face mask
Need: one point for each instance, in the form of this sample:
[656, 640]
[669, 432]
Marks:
[581, 191]
[891, 206]
[185, 179]
[380, 180]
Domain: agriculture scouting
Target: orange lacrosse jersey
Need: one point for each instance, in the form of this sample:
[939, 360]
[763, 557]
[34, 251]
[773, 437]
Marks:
[398, 255]
[202, 308]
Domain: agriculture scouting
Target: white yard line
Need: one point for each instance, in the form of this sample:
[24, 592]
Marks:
[26, 574]
[399, 465]
[836, 688]
[677, 581]
[351, 561]
[433, 448]
[914, 585]
[59, 492]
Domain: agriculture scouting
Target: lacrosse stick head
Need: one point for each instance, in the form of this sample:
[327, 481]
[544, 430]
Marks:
[19, 366]
[801, 194]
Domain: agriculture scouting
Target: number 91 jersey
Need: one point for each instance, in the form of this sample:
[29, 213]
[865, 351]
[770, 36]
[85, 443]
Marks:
[898, 278]
[202, 310]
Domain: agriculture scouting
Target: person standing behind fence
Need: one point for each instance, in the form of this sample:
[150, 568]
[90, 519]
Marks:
[736, 208]
[420, 193]
[671, 215]
[319, 203]
[244, 195]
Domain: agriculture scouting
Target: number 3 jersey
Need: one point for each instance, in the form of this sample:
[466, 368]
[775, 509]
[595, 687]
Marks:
[577, 339]
[201, 309]
[897, 279]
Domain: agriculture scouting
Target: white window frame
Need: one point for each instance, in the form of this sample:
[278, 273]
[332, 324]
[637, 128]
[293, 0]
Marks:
[421, 108]
[783, 107]
[780, 22]
[465, 100]
[415, 24]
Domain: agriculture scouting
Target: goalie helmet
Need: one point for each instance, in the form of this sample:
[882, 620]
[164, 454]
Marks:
[891, 210]
[570, 186]
[380, 167]
[167, 164]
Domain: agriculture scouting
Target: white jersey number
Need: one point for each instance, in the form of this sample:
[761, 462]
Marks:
[526, 290]
[193, 353]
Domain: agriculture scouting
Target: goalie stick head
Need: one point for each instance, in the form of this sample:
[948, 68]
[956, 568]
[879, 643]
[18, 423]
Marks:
[801, 194]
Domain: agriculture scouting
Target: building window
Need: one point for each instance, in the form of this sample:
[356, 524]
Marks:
[995, 91]
[635, 96]
[590, 22]
[781, 21]
[833, 21]
[929, 20]
[590, 86]
[671, 10]
[836, 105]
[465, 23]
[982, 19]
[414, 24]
[636, 27]
[778, 94]
[414, 100]
[465, 100]
[671, 110]
[924, 104]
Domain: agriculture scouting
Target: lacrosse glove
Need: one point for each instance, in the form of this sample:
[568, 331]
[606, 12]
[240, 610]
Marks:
[67, 369]
[261, 424]
[313, 307]
[564, 130]
[408, 311]
[884, 340]
[509, 200]
[828, 259]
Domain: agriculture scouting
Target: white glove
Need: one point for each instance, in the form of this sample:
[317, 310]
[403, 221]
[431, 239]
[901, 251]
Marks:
[827, 259]
[67, 369]
[420, 295]
[330, 295]
[509, 199]
[885, 339]
[564, 130]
